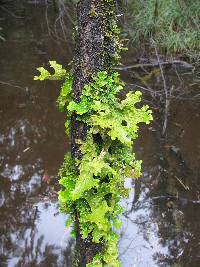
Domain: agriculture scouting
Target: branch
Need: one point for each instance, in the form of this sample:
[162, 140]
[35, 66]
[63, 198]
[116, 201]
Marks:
[183, 64]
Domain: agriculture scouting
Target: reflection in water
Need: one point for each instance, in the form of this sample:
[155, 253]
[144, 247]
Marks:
[27, 238]
[31, 140]
[162, 214]
[161, 219]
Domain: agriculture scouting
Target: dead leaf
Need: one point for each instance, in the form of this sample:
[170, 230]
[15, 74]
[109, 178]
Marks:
[46, 178]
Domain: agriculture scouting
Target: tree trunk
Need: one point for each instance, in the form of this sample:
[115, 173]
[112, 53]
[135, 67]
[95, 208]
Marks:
[94, 52]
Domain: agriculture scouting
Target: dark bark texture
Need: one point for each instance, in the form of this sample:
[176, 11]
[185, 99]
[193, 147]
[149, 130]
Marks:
[94, 52]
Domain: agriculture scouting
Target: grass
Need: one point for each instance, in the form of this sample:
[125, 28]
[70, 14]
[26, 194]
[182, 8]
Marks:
[173, 24]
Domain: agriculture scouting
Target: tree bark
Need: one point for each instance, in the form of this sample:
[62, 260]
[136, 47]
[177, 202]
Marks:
[94, 52]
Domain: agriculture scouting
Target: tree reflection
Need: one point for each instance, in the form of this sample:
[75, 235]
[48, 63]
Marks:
[32, 140]
[164, 210]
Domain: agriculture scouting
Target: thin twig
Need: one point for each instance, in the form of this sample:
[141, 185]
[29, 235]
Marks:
[167, 100]
[11, 13]
[11, 85]
[184, 186]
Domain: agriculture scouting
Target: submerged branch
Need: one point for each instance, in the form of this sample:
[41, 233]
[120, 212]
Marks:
[181, 63]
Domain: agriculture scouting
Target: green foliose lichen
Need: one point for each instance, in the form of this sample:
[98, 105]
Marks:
[59, 72]
[94, 185]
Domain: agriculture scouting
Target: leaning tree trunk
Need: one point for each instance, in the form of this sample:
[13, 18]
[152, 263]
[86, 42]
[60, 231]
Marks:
[95, 51]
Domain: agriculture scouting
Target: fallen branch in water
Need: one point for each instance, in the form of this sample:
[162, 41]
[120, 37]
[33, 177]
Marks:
[183, 64]
[171, 197]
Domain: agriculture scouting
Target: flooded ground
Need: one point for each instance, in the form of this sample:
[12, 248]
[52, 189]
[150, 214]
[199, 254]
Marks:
[161, 219]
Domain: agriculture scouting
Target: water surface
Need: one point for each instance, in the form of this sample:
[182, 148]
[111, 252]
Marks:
[161, 220]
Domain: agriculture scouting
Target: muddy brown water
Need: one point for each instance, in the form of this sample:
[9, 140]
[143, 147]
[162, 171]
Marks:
[162, 215]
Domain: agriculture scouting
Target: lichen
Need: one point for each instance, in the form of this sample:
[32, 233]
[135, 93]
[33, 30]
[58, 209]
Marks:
[94, 185]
